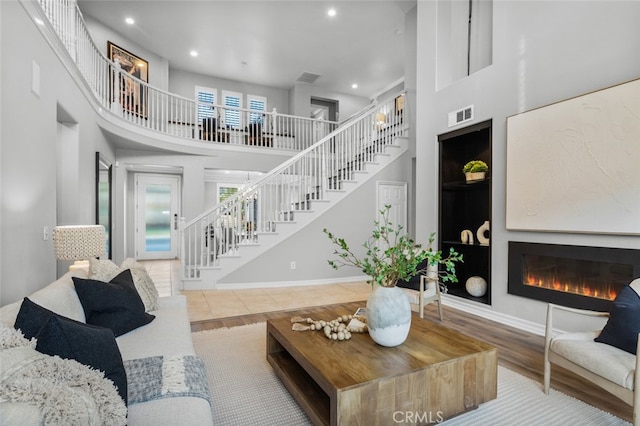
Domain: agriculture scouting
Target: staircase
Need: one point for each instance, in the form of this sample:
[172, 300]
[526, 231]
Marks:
[267, 211]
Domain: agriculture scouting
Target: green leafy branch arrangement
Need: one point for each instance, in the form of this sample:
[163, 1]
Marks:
[392, 256]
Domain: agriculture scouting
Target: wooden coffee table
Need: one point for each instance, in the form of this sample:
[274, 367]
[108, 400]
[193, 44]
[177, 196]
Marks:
[435, 374]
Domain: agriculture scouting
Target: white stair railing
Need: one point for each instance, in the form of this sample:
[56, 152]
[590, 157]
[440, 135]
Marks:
[259, 207]
[139, 103]
[320, 167]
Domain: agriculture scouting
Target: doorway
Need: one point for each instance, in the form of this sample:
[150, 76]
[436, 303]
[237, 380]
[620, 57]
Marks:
[324, 109]
[157, 211]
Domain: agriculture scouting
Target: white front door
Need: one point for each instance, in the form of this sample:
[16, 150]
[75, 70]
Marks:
[157, 212]
[395, 195]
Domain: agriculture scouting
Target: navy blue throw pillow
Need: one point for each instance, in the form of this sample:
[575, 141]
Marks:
[32, 317]
[89, 345]
[115, 305]
[623, 325]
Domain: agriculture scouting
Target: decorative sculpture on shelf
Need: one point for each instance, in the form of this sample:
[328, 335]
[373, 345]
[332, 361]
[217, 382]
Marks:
[480, 234]
[466, 237]
[476, 286]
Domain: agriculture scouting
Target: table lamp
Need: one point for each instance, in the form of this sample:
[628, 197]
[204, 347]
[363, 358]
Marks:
[79, 243]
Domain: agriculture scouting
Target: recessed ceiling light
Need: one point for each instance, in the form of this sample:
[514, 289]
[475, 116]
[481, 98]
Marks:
[129, 21]
[354, 86]
[331, 12]
[193, 53]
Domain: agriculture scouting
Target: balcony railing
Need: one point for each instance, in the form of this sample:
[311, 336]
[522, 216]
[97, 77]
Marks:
[139, 103]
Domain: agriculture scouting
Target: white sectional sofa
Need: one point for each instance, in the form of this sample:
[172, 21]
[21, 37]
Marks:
[167, 336]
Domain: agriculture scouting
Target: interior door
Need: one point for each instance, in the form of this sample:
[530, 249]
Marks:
[157, 212]
[394, 194]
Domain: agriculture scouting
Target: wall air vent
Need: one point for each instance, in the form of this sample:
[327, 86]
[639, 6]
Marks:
[461, 116]
[308, 77]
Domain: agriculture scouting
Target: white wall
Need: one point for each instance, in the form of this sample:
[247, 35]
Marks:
[543, 52]
[183, 83]
[28, 144]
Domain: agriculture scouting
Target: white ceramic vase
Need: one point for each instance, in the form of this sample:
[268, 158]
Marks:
[388, 316]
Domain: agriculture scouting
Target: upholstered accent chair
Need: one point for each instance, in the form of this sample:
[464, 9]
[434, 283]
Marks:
[605, 365]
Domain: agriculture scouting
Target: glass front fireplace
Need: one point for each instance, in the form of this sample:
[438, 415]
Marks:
[576, 276]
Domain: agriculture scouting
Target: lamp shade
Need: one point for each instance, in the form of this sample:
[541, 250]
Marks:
[381, 117]
[79, 242]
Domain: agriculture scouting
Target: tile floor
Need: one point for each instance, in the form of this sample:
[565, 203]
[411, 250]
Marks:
[213, 304]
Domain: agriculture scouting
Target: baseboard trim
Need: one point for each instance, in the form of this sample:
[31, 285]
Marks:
[296, 283]
[483, 311]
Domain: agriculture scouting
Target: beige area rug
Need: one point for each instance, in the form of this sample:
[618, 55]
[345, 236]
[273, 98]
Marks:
[245, 390]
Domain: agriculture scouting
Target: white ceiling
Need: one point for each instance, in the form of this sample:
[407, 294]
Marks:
[270, 42]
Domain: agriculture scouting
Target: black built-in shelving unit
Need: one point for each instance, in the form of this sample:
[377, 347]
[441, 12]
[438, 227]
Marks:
[465, 205]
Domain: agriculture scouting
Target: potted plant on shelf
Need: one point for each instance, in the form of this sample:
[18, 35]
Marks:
[392, 255]
[475, 170]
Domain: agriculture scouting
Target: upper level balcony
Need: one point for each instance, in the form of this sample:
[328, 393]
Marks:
[136, 113]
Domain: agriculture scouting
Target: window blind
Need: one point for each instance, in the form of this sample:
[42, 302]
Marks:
[206, 101]
[257, 104]
[231, 116]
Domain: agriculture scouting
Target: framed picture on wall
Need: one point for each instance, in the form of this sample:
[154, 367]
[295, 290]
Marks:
[127, 86]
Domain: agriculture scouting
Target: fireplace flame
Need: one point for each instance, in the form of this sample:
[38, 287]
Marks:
[605, 291]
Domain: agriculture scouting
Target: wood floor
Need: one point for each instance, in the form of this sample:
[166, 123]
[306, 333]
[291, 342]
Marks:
[517, 350]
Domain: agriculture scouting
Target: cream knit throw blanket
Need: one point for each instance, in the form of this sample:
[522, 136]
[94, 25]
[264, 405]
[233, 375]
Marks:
[64, 391]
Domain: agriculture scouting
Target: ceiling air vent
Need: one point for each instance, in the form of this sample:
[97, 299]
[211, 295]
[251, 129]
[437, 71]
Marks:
[308, 77]
[461, 116]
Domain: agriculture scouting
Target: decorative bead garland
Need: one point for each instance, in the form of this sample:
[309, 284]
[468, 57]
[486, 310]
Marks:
[334, 330]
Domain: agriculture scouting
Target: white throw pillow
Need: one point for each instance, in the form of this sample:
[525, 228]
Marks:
[103, 270]
[60, 297]
[106, 270]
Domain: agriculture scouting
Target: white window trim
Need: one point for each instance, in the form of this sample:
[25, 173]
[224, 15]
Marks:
[203, 89]
[228, 93]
